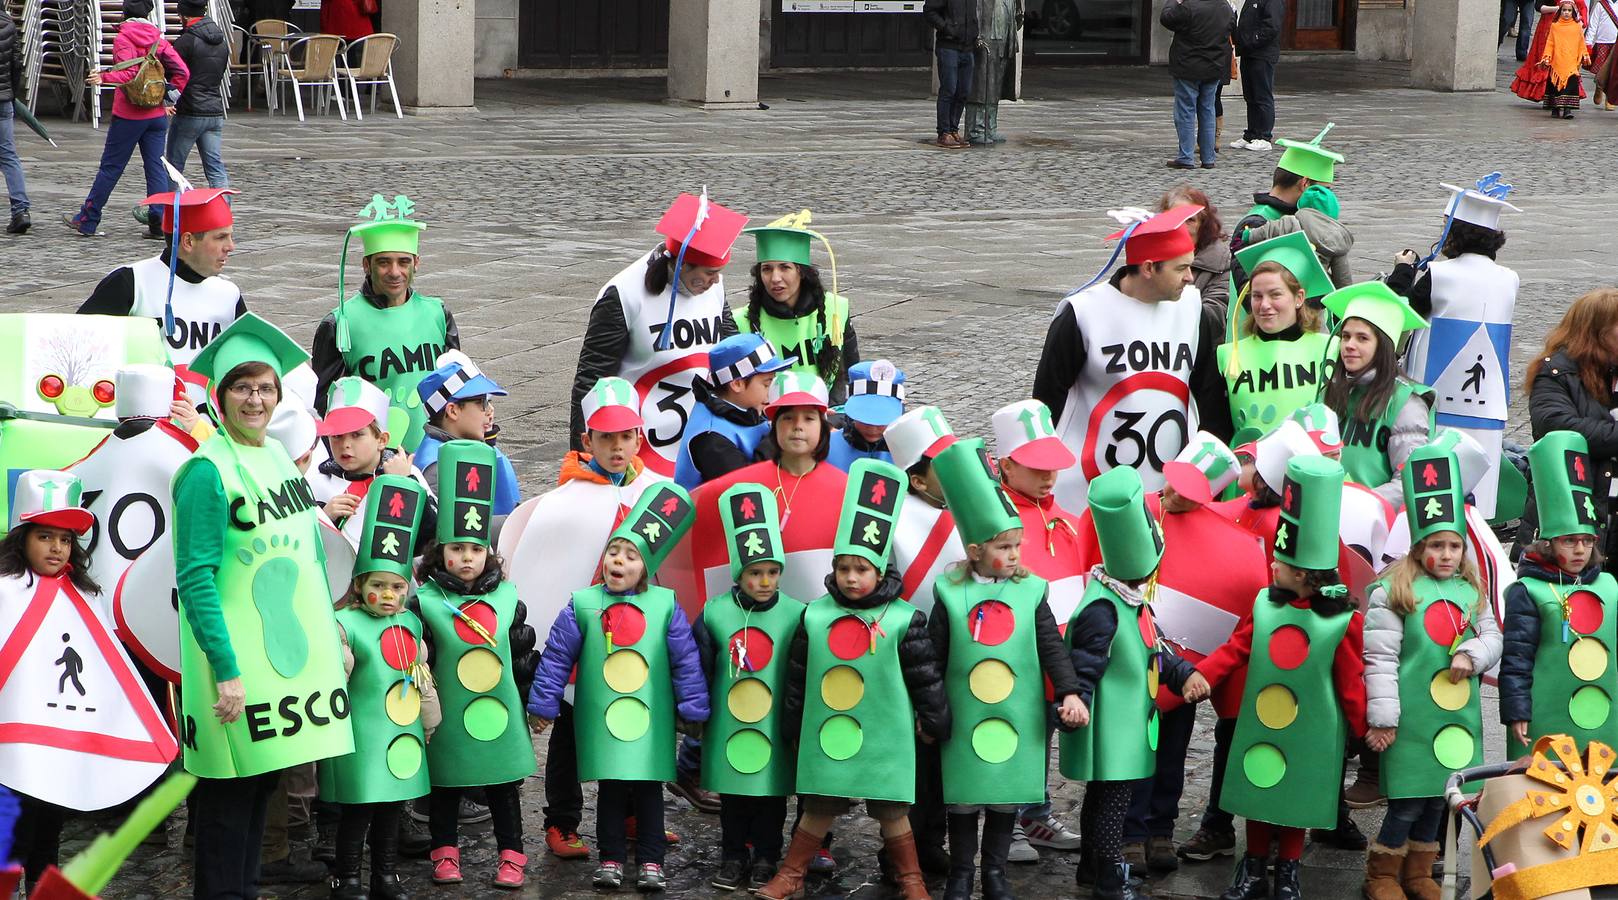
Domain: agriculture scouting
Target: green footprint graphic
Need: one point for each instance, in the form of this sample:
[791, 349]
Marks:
[274, 583]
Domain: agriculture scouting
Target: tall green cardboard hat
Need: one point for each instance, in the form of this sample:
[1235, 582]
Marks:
[1306, 536]
[248, 339]
[1563, 481]
[1376, 303]
[1293, 252]
[752, 526]
[1310, 160]
[389, 230]
[876, 490]
[788, 239]
[1434, 500]
[1131, 541]
[972, 493]
[661, 516]
[393, 509]
[465, 492]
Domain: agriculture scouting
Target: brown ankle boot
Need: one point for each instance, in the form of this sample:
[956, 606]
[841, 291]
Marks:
[788, 880]
[906, 868]
[1417, 874]
[1382, 873]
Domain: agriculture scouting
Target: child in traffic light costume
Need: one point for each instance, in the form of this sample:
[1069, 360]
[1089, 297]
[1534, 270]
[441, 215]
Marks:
[995, 637]
[638, 680]
[483, 659]
[862, 668]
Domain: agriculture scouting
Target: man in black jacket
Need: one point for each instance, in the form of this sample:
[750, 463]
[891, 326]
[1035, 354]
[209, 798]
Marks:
[955, 24]
[1258, 43]
[1198, 60]
[10, 88]
[199, 117]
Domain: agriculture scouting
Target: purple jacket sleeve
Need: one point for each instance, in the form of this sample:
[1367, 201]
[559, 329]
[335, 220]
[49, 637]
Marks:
[556, 665]
[690, 687]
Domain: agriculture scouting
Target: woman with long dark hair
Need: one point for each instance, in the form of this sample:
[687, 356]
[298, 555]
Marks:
[1210, 267]
[790, 306]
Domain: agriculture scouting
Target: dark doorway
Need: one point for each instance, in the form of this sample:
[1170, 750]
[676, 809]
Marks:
[848, 39]
[593, 34]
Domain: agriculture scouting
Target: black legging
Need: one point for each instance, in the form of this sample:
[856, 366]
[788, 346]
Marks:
[37, 836]
[505, 808]
[378, 821]
[229, 834]
[644, 801]
[1101, 819]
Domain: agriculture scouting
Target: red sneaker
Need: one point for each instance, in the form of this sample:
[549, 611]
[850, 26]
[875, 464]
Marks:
[565, 844]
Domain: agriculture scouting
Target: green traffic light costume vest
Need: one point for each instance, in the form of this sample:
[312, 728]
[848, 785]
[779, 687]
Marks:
[856, 739]
[482, 739]
[1365, 445]
[389, 759]
[1120, 743]
[395, 348]
[1274, 377]
[802, 337]
[623, 701]
[747, 753]
[277, 609]
[1573, 668]
[1285, 767]
[998, 749]
[1440, 724]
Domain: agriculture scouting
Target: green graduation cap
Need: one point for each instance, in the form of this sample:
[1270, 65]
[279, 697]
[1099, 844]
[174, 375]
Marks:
[788, 239]
[1310, 160]
[1434, 500]
[1131, 541]
[876, 489]
[393, 508]
[1376, 303]
[1306, 536]
[465, 492]
[1563, 485]
[972, 493]
[248, 339]
[661, 516]
[752, 526]
[1295, 253]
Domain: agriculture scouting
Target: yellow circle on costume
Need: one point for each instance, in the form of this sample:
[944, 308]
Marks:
[749, 700]
[991, 681]
[842, 687]
[403, 702]
[1587, 658]
[625, 671]
[1277, 707]
[479, 670]
[1450, 696]
[1152, 676]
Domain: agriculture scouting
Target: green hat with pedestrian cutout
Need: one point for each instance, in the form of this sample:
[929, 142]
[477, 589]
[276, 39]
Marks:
[1131, 541]
[661, 516]
[466, 492]
[752, 527]
[393, 510]
[1434, 499]
[1564, 492]
[1306, 535]
[972, 493]
[876, 490]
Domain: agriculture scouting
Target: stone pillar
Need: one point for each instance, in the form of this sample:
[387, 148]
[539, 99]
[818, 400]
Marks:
[1453, 44]
[433, 65]
[714, 54]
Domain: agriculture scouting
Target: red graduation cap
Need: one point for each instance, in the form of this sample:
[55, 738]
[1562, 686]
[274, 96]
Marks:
[1163, 236]
[710, 246]
[201, 210]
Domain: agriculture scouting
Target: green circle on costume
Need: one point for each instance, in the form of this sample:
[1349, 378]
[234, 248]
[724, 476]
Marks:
[404, 756]
[1151, 730]
[749, 700]
[748, 751]
[403, 703]
[486, 718]
[991, 681]
[1264, 765]
[1277, 707]
[1587, 658]
[479, 669]
[1589, 707]
[994, 740]
[624, 671]
[842, 687]
[1450, 696]
[1453, 746]
[841, 737]
[628, 719]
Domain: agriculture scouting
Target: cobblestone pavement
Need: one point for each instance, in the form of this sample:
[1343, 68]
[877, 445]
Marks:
[954, 260]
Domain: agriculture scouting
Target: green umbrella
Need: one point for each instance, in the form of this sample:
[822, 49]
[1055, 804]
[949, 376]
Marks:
[29, 120]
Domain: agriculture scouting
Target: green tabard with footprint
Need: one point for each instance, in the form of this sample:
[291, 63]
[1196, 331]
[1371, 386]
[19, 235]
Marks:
[277, 608]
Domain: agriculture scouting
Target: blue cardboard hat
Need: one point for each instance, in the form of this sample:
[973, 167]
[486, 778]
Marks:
[744, 355]
[456, 378]
[876, 393]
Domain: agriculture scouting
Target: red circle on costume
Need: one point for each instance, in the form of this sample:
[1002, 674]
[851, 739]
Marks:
[758, 645]
[1289, 647]
[398, 647]
[1584, 612]
[996, 625]
[848, 638]
[1443, 622]
[626, 623]
[479, 612]
[1148, 628]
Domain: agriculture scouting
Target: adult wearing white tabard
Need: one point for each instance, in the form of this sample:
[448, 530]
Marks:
[1465, 355]
[1128, 368]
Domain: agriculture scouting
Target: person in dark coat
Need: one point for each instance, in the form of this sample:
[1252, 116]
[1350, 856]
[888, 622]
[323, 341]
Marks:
[1258, 43]
[1521, 633]
[11, 88]
[199, 117]
[955, 24]
[1198, 59]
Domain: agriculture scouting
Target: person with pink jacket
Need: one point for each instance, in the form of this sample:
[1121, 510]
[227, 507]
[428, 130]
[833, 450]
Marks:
[132, 125]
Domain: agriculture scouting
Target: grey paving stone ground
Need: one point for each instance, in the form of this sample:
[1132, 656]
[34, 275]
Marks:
[954, 261]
